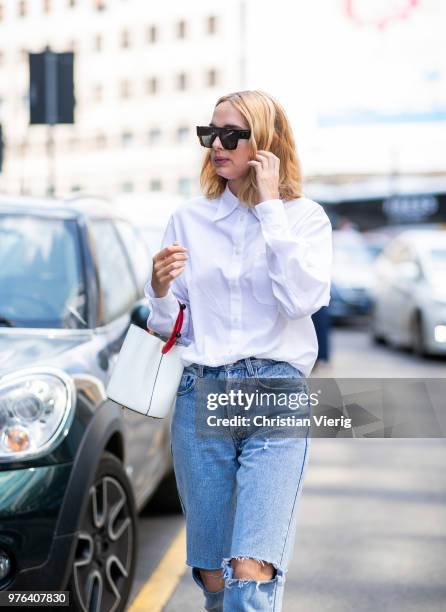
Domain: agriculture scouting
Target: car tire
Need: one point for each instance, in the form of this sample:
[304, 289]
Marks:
[418, 339]
[376, 337]
[106, 546]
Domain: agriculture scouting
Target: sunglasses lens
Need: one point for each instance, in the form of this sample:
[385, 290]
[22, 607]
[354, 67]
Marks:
[229, 141]
[207, 140]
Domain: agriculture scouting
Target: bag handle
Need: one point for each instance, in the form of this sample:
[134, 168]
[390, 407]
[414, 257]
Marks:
[176, 333]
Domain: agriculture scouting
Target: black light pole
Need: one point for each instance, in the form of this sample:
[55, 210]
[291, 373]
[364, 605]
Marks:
[51, 98]
[51, 115]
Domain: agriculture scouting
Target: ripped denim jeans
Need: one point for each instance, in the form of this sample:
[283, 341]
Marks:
[240, 494]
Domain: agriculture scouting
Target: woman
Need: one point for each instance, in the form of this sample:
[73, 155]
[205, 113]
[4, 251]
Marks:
[251, 260]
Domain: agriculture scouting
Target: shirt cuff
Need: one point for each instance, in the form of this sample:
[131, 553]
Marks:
[167, 303]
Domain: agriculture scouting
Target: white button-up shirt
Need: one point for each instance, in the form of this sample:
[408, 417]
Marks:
[252, 281]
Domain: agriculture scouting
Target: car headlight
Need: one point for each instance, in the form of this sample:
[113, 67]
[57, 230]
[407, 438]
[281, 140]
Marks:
[36, 410]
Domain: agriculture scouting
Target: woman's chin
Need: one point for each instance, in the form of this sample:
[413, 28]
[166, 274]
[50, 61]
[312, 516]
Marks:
[223, 174]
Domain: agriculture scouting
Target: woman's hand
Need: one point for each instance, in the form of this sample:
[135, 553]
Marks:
[267, 172]
[167, 265]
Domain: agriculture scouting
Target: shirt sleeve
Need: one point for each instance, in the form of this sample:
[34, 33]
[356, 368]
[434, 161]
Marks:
[164, 310]
[299, 258]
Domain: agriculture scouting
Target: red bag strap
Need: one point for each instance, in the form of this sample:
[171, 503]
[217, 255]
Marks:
[176, 333]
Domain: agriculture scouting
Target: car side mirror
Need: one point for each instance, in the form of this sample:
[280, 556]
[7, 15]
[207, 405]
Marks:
[139, 315]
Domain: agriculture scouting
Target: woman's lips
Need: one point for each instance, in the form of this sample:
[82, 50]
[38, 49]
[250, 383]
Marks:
[220, 160]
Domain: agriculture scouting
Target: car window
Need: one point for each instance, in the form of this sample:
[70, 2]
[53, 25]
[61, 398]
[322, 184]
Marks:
[118, 288]
[138, 252]
[41, 274]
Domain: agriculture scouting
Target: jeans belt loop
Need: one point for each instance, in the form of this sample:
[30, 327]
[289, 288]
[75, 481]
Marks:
[249, 367]
[200, 370]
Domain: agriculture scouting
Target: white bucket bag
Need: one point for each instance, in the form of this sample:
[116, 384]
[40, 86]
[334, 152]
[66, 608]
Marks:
[148, 371]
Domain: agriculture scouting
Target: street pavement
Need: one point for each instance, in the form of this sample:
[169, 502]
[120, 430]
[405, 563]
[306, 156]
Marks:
[372, 517]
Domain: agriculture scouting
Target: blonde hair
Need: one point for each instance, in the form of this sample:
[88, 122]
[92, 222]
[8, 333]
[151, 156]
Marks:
[270, 131]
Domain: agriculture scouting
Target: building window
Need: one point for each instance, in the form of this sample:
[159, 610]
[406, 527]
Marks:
[126, 139]
[152, 85]
[154, 136]
[97, 93]
[125, 89]
[125, 39]
[152, 34]
[211, 24]
[76, 187]
[181, 29]
[22, 8]
[211, 78]
[127, 186]
[98, 42]
[47, 6]
[182, 81]
[100, 5]
[183, 133]
[155, 185]
[71, 3]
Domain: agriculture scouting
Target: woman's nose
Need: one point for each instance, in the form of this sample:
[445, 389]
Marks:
[217, 143]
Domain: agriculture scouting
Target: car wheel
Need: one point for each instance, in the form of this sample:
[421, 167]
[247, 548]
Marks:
[106, 547]
[418, 341]
[377, 338]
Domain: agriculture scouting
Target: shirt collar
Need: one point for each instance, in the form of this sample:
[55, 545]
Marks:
[227, 203]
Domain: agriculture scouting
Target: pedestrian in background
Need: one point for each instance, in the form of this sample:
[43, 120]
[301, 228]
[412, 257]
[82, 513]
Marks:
[251, 260]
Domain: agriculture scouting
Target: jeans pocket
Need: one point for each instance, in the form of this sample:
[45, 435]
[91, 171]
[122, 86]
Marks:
[270, 376]
[187, 383]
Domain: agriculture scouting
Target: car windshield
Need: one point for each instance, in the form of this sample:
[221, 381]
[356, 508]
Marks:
[438, 260]
[41, 280]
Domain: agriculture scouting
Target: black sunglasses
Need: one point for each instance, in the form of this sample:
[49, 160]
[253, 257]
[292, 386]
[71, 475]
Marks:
[228, 136]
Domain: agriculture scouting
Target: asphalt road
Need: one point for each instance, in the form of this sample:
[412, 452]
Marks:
[372, 518]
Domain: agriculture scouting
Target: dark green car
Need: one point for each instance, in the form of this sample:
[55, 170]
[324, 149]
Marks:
[75, 468]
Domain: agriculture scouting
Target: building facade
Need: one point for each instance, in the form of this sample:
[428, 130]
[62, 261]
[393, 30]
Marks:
[145, 74]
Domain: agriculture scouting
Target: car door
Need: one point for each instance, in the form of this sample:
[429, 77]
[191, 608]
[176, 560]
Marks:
[147, 460]
[382, 291]
[118, 294]
[401, 292]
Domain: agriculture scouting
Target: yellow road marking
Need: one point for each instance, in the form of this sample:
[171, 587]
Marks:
[157, 590]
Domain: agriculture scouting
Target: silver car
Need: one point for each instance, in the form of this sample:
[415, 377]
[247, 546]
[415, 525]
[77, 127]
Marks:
[409, 295]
